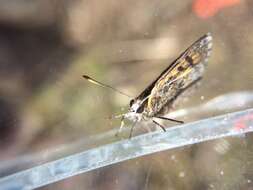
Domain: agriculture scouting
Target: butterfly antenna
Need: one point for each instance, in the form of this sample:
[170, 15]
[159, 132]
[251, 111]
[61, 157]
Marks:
[104, 85]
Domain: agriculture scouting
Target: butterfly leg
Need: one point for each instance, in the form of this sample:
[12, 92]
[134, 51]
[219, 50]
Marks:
[162, 127]
[122, 123]
[169, 119]
[132, 129]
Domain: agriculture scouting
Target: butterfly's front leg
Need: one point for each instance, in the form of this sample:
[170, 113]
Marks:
[122, 124]
[132, 129]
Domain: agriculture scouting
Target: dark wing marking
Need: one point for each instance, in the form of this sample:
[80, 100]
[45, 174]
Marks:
[186, 69]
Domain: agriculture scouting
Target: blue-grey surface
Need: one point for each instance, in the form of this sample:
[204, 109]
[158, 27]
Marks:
[217, 127]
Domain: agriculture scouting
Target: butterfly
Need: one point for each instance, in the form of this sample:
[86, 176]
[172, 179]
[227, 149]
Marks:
[156, 100]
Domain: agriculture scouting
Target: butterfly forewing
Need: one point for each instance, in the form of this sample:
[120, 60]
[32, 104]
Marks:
[184, 71]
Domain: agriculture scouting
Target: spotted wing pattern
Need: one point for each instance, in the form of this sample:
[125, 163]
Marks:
[187, 69]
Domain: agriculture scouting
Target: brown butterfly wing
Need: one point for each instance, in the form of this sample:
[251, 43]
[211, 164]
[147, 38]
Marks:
[184, 71]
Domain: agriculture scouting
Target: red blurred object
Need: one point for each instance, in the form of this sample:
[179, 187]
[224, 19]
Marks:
[241, 123]
[208, 8]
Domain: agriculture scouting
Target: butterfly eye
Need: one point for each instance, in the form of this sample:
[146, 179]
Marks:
[131, 102]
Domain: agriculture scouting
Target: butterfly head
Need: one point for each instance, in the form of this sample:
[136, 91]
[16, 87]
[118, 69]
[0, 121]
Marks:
[135, 104]
[134, 113]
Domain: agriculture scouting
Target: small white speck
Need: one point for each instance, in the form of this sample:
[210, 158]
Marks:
[173, 157]
[221, 172]
[202, 97]
[209, 46]
[211, 186]
[120, 50]
[181, 174]
[249, 181]
[209, 38]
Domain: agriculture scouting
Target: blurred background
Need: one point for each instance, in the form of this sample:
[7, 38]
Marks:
[47, 110]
